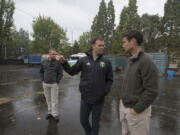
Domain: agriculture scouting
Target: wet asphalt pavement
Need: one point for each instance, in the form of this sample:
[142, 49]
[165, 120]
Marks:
[23, 108]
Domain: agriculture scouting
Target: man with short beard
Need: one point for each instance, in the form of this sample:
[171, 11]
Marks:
[139, 88]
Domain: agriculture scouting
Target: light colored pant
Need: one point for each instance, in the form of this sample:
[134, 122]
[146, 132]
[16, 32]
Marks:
[134, 124]
[51, 92]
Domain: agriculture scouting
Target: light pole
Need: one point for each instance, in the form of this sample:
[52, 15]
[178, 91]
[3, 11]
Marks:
[5, 49]
[5, 55]
[2, 50]
[72, 38]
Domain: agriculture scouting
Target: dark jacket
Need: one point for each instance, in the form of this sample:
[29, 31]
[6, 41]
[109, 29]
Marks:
[140, 83]
[51, 71]
[96, 77]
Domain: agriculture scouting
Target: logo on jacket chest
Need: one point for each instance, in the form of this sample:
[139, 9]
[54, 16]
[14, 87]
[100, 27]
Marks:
[102, 64]
[88, 64]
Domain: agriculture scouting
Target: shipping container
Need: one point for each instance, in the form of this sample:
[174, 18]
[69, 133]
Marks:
[32, 59]
[161, 61]
[116, 61]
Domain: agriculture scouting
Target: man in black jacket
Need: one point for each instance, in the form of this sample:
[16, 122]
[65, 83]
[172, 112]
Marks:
[139, 87]
[95, 83]
[51, 74]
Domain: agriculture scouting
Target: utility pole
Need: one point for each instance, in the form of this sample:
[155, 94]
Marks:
[2, 51]
[5, 49]
[5, 55]
[72, 38]
[48, 36]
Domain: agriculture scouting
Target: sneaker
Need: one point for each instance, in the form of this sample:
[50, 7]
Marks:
[48, 116]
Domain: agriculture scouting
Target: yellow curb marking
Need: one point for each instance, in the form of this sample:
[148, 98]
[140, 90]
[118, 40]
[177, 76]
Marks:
[6, 100]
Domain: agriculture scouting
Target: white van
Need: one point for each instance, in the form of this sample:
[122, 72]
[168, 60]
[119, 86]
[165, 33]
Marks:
[75, 57]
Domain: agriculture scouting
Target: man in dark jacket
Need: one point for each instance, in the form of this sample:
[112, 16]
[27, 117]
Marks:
[51, 74]
[139, 88]
[95, 83]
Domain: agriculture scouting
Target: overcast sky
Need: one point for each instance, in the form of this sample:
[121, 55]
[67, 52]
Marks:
[75, 16]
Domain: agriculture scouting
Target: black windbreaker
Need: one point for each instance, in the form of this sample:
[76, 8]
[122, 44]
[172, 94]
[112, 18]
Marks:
[96, 77]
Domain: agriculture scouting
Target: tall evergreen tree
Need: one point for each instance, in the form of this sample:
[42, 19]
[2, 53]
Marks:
[75, 48]
[171, 23]
[121, 28]
[129, 20]
[85, 42]
[150, 25]
[110, 25]
[133, 19]
[99, 26]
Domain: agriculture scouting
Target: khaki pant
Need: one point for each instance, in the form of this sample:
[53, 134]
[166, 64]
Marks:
[134, 124]
[51, 92]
